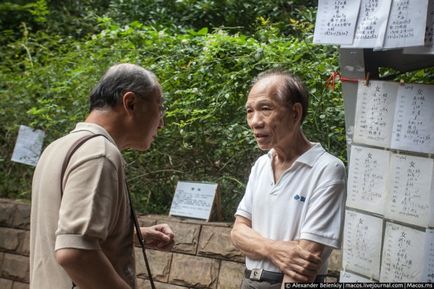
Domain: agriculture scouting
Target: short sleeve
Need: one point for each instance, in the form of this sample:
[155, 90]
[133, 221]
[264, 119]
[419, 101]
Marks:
[325, 215]
[88, 205]
[245, 207]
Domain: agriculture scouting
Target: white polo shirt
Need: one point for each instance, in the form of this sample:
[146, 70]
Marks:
[307, 203]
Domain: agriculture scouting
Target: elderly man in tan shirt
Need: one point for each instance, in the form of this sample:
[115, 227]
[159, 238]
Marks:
[81, 224]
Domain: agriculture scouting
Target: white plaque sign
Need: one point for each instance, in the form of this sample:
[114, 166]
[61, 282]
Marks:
[193, 200]
[28, 146]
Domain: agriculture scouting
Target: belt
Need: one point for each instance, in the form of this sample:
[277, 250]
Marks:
[263, 275]
[272, 277]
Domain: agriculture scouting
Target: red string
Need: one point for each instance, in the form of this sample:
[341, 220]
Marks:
[331, 81]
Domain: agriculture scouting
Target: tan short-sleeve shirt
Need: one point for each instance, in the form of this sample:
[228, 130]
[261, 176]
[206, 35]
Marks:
[92, 214]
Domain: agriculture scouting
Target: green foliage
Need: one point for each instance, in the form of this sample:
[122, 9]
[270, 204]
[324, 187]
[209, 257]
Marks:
[78, 18]
[423, 76]
[13, 15]
[71, 18]
[45, 81]
[236, 16]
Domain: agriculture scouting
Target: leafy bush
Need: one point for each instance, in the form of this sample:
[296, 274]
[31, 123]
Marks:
[237, 16]
[45, 81]
[78, 18]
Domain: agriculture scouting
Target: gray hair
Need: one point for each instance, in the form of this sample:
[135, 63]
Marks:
[291, 91]
[119, 79]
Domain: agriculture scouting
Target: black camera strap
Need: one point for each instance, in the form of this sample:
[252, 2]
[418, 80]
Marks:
[141, 240]
[68, 156]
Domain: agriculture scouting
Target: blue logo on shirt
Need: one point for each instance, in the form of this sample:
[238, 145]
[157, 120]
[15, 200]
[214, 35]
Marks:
[297, 197]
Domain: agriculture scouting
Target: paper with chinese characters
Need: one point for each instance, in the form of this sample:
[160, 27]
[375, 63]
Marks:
[403, 258]
[409, 199]
[367, 179]
[362, 243]
[413, 127]
[406, 25]
[375, 110]
[336, 21]
[371, 24]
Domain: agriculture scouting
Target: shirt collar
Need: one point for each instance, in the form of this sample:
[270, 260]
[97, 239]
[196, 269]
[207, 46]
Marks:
[93, 128]
[308, 157]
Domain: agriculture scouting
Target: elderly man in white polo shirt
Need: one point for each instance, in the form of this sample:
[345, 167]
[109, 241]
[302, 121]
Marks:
[291, 215]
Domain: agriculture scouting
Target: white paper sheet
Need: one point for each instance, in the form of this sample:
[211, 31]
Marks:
[371, 24]
[367, 179]
[428, 48]
[28, 146]
[194, 200]
[348, 277]
[406, 25]
[403, 258]
[429, 266]
[362, 244]
[336, 21]
[413, 128]
[375, 109]
[409, 197]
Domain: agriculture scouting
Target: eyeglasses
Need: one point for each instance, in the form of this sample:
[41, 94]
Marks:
[162, 107]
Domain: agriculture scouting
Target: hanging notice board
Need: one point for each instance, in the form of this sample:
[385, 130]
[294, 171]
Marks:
[388, 232]
[390, 202]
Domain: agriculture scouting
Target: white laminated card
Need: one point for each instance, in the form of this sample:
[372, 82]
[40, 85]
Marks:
[428, 48]
[413, 127]
[375, 110]
[28, 146]
[336, 21]
[411, 192]
[349, 277]
[406, 25]
[403, 258]
[371, 24]
[429, 265]
[362, 244]
[367, 179]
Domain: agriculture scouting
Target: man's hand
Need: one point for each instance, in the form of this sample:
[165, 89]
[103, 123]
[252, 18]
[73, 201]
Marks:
[299, 260]
[158, 236]
[297, 263]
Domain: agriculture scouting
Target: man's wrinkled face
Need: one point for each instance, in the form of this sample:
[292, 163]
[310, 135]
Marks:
[148, 119]
[269, 117]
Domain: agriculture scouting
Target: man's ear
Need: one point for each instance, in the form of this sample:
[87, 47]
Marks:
[297, 110]
[129, 101]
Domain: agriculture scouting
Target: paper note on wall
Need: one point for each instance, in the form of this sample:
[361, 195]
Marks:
[409, 199]
[362, 243]
[428, 48]
[372, 23]
[28, 146]
[336, 21]
[375, 110]
[403, 258]
[406, 25]
[413, 127]
[367, 179]
[349, 277]
[429, 267]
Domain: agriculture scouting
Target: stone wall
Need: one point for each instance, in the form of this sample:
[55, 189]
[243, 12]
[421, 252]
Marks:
[203, 255]
[14, 245]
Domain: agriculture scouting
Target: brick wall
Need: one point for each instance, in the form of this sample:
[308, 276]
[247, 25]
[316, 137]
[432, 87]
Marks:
[14, 245]
[203, 255]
